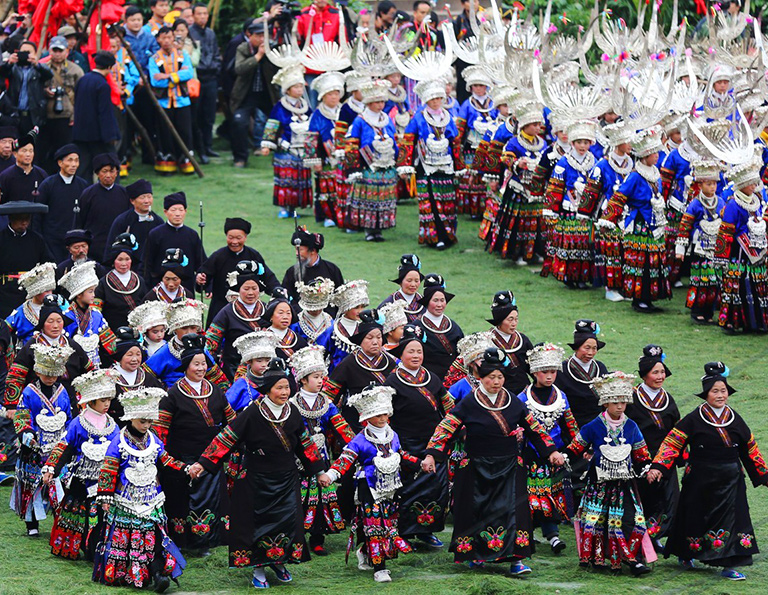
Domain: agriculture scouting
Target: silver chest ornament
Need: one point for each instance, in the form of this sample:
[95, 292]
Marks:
[614, 461]
[436, 155]
[384, 152]
[402, 119]
[141, 471]
[387, 476]
[756, 233]
[707, 237]
[477, 132]
[95, 451]
[547, 415]
[299, 129]
[52, 428]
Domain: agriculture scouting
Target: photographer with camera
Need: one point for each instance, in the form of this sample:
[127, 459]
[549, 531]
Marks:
[320, 23]
[60, 92]
[26, 81]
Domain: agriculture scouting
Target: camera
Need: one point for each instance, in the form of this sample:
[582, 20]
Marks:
[19, 18]
[58, 100]
[291, 9]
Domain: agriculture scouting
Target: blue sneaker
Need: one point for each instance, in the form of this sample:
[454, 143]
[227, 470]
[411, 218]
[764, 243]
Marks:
[282, 574]
[430, 539]
[733, 575]
[259, 584]
[476, 564]
[519, 569]
[687, 564]
[283, 214]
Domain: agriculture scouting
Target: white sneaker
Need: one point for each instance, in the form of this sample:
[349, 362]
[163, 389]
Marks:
[613, 296]
[362, 563]
[382, 576]
[678, 284]
[521, 262]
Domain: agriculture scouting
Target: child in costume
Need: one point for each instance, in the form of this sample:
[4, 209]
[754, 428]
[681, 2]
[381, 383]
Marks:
[699, 228]
[570, 244]
[256, 349]
[321, 145]
[549, 491]
[41, 419]
[322, 515]
[90, 330]
[150, 320]
[376, 450]
[136, 548]
[285, 133]
[38, 283]
[76, 523]
[610, 524]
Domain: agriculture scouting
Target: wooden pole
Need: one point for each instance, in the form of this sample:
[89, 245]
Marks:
[142, 131]
[159, 108]
[215, 14]
[81, 38]
[98, 30]
[44, 31]
[7, 10]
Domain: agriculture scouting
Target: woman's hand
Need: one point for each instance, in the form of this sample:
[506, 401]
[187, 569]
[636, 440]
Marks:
[195, 470]
[264, 151]
[47, 478]
[105, 506]
[653, 475]
[428, 464]
[324, 480]
[557, 459]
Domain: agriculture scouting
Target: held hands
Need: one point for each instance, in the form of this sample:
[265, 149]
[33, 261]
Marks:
[105, 506]
[557, 459]
[493, 185]
[195, 470]
[653, 475]
[428, 464]
[264, 151]
[47, 478]
[201, 279]
[324, 480]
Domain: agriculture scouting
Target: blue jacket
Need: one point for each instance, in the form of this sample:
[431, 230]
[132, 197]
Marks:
[94, 120]
[143, 45]
[184, 73]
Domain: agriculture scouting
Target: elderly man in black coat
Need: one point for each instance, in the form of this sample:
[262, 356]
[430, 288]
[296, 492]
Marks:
[102, 202]
[139, 220]
[61, 192]
[95, 127]
[309, 265]
[213, 275]
[78, 243]
[21, 249]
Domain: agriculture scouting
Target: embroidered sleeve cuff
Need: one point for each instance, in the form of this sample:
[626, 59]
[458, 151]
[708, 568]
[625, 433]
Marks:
[405, 170]
[265, 144]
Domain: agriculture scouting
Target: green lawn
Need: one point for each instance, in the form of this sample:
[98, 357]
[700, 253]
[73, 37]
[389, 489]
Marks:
[548, 311]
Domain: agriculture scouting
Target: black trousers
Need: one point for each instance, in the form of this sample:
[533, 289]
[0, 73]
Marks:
[89, 150]
[146, 114]
[240, 130]
[55, 134]
[204, 115]
[181, 118]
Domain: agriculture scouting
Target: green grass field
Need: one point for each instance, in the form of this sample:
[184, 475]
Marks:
[547, 311]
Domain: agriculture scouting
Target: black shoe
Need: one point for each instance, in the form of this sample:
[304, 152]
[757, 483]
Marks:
[378, 238]
[638, 569]
[557, 545]
[161, 583]
[204, 159]
[212, 153]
